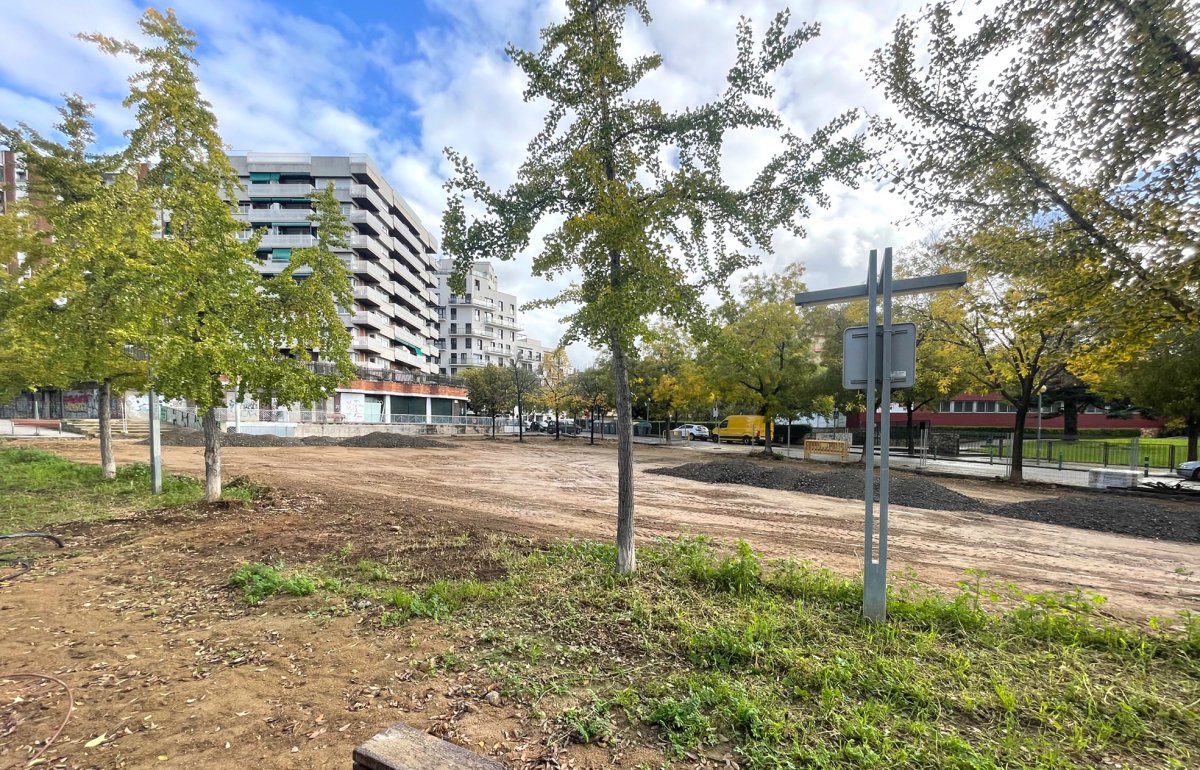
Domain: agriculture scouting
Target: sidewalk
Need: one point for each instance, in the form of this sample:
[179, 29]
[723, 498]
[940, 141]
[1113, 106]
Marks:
[1048, 473]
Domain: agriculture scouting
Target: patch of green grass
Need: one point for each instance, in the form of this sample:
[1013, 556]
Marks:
[259, 581]
[372, 570]
[716, 649]
[39, 489]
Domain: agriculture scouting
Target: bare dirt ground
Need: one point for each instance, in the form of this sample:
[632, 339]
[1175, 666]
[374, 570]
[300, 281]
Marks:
[174, 670]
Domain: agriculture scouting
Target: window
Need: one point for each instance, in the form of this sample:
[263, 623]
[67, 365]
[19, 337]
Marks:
[453, 372]
[476, 314]
[453, 313]
[454, 328]
[468, 331]
[989, 406]
[454, 343]
[476, 284]
[467, 343]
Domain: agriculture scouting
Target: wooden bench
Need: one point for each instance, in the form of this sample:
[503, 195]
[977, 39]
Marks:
[401, 747]
[826, 447]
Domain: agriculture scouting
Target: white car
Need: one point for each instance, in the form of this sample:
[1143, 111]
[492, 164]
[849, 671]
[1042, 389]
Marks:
[697, 432]
[1190, 470]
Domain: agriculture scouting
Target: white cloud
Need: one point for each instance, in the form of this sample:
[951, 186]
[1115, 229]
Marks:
[282, 82]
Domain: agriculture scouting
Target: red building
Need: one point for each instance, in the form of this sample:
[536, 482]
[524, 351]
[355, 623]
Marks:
[968, 410]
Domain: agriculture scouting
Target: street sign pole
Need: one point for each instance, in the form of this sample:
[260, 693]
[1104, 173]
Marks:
[879, 281]
[871, 603]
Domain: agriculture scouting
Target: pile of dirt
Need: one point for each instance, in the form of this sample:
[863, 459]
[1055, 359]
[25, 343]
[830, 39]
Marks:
[378, 439]
[1103, 513]
[843, 483]
[1121, 515]
[382, 440]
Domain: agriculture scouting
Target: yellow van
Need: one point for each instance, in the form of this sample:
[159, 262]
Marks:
[745, 428]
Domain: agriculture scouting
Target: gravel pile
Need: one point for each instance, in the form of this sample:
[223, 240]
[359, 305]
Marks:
[1103, 513]
[378, 439]
[844, 483]
[1122, 515]
[382, 440]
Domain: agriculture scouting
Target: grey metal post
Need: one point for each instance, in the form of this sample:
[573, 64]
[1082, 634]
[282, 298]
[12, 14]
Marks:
[875, 582]
[155, 446]
[873, 604]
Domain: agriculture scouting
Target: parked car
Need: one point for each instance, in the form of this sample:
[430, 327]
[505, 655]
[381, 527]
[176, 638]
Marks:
[690, 431]
[566, 428]
[746, 428]
[1190, 470]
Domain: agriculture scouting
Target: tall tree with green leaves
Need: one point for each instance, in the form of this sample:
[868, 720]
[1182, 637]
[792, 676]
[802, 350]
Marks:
[1012, 339]
[1166, 378]
[213, 322]
[647, 218]
[1091, 125]
[491, 390]
[763, 352]
[86, 245]
[594, 386]
[557, 386]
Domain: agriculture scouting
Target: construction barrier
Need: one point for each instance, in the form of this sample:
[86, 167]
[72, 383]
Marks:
[825, 447]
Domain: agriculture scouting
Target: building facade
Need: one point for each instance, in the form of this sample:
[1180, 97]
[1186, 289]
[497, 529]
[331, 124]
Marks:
[480, 326]
[389, 254]
[991, 411]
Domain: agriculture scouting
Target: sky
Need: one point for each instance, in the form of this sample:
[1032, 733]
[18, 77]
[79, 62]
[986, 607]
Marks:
[403, 79]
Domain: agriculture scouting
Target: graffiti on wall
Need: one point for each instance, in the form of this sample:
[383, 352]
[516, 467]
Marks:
[80, 405]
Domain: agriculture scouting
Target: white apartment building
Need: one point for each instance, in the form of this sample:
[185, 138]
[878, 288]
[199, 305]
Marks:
[482, 325]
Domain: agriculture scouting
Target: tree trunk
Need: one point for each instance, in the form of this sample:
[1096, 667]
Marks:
[767, 424]
[592, 426]
[493, 427]
[108, 462]
[212, 457]
[668, 426]
[1193, 437]
[1016, 473]
[626, 556]
[1070, 419]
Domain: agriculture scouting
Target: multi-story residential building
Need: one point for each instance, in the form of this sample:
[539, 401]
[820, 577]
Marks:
[389, 254]
[12, 179]
[531, 353]
[478, 327]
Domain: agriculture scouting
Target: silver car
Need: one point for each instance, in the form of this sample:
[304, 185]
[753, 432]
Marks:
[1190, 470]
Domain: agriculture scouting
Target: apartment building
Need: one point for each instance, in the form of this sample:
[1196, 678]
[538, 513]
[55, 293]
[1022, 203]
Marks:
[389, 254]
[480, 326]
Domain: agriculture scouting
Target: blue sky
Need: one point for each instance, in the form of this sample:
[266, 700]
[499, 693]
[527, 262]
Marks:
[403, 80]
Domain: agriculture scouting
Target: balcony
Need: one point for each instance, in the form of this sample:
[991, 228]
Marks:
[371, 220]
[372, 319]
[275, 190]
[370, 343]
[267, 216]
[284, 241]
[369, 244]
[373, 295]
[369, 268]
[366, 193]
[273, 267]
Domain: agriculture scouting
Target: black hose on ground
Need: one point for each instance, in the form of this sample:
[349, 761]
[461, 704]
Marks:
[24, 566]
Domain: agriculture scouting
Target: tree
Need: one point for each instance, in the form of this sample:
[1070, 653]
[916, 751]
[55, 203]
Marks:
[85, 246]
[213, 321]
[1166, 378]
[556, 385]
[1012, 337]
[526, 385]
[491, 390]
[647, 235]
[941, 368]
[763, 352]
[1090, 126]
[594, 386]
[668, 366]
